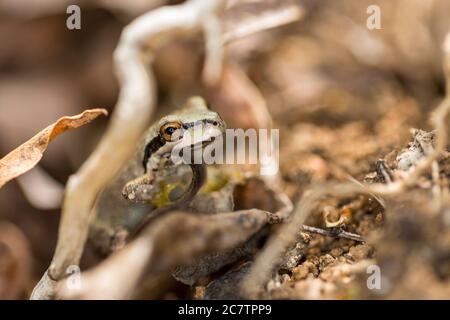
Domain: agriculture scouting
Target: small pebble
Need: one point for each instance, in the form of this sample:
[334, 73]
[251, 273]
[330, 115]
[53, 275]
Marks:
[336, 252]
[325, 260]
[360, 252]
[300, 272]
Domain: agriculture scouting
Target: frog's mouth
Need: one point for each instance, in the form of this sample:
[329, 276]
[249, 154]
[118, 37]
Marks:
[190, 147]
[195, 142]
[203, 143]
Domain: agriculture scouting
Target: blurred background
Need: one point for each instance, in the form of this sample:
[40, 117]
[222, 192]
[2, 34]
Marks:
[342, 95]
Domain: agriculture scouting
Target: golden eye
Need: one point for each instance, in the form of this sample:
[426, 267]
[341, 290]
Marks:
[167, 130]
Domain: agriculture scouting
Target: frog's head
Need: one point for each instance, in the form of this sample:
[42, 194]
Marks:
[193, 126]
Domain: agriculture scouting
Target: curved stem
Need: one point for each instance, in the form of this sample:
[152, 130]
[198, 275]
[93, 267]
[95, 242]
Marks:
[198, 179]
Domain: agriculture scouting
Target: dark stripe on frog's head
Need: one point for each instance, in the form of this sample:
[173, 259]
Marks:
[158, 141]
[195, 123]
[153, 146]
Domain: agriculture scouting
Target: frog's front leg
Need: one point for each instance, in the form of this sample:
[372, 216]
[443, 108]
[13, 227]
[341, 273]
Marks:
[144, 188]
[140, 189]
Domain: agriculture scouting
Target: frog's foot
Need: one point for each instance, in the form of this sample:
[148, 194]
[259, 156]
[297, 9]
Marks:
[139, 190]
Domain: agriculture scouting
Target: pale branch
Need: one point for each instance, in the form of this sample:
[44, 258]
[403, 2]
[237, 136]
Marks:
[115, 277]
[267, 20]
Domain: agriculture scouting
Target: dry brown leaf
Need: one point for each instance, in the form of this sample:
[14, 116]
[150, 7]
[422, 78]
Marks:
[26, 156]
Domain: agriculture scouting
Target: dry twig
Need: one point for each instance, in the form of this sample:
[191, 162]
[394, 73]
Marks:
[334, 233]
[267, 20]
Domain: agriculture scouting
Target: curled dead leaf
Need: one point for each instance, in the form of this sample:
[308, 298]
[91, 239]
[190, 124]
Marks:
[27, 155]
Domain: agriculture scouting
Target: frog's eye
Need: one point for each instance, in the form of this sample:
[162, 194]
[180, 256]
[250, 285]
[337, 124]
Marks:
[169, 129]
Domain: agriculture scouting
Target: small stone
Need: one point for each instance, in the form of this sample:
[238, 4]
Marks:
[314, 260]
[360, 252]
[379, 218]
[312, 267]
[300, 272]
[199, 292]
[285, 278]
[305, 237]
[336, 252]
[325, 260]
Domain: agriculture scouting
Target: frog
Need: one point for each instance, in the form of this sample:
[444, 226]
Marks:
[134, 196]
